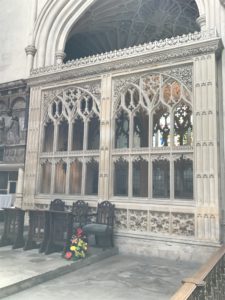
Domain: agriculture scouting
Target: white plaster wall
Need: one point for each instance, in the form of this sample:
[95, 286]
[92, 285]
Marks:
[15, 26]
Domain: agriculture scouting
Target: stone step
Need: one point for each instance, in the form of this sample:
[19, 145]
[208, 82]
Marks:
[21, 270]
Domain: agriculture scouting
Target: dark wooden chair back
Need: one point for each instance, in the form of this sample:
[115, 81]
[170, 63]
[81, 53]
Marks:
[80, 212]
[105, 213]
[57, 205]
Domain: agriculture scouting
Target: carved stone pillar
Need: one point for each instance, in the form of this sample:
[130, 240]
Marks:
[105, 138]
[59, 56]
[31, 162]
[30, 52]
[206, 148]
[19, 188]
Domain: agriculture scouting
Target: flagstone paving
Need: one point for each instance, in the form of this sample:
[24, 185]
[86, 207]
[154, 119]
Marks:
[120, 277]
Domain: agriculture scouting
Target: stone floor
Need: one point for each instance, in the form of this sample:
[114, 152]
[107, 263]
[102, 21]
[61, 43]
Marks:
[120, 277]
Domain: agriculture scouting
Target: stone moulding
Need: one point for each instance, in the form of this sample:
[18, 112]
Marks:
[153, 52]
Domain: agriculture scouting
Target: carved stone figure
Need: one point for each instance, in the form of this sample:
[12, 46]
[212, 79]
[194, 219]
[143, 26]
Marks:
[12, 130]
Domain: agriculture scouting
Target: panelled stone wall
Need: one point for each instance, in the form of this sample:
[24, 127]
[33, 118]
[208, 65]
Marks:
[195, 221]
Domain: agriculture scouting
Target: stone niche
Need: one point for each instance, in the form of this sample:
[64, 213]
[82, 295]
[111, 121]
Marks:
[13, 121]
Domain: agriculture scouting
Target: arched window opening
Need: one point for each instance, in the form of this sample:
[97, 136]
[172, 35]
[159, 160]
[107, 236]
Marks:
[183, 125]
[122, 129]
[161, 178]
[121, 178]
[63, 136]
[93, 133]
[78, 134]
[141, 129]
[161, 127]
[112, 25]
[91, 183]
[140, 178]
[75, 178]
[183, 178]
[46, 174]
[60, 177]
[48, 137]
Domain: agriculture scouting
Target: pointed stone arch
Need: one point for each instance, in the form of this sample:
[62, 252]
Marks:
[54, 24]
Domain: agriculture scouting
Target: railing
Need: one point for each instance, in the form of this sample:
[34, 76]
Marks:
[208, 283]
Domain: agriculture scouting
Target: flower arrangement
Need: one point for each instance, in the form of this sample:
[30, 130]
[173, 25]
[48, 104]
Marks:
[77, 248]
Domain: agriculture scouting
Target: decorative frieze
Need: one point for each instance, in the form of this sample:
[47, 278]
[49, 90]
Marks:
[183, 224]
[138, 220]
[121, 219]
[157, 222]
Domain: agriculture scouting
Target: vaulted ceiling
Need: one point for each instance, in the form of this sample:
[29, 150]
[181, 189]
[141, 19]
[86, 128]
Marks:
[114, 24]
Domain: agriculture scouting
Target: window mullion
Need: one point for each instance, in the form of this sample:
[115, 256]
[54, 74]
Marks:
[172, 178]
[56, 133]
[83, 177]
[130, 178]
[52, 190]
[85, 141]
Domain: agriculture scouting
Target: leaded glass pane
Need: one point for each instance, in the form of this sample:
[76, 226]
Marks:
[78, 134]
[141, 129]
[121, 178]
[161, 127]
[46, 178]
[93, 133]
[91, 184]
[183, 125]
[75, 177]
[60, 177]
[140, 178]
[122, 124]
[183, 178]
[48, 137]
[161, 179]
[63, 136]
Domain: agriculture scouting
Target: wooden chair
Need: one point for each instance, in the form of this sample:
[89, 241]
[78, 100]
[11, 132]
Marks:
[60, 229]
[102, 228]
[80, 214]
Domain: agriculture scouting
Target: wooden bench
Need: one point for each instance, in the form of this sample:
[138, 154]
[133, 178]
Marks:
[102, 228]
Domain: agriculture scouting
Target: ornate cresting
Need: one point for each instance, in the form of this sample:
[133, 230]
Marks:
[208, 283]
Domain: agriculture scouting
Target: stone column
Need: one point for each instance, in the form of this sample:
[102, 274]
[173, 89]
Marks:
[31, 162]
[105, 138]
[206, 148]
[19, 189]
[30, 52]
[59, 57]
